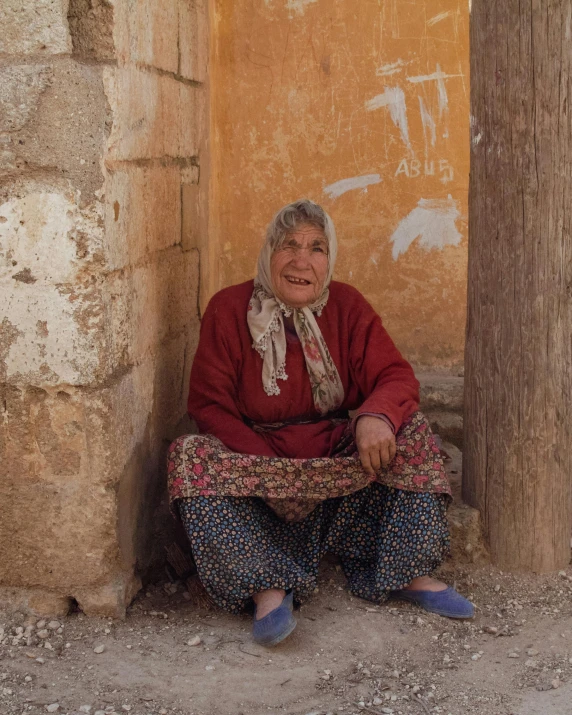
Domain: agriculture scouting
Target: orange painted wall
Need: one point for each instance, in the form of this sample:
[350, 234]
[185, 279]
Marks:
[372, 93]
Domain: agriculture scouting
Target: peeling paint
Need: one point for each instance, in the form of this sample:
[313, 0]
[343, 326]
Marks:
[43, 291]
[394, 99]
[429, 128]
[299, 6]
[438, 18]
[432, 221]
[391, 68]
[355, 182]
[438, 76]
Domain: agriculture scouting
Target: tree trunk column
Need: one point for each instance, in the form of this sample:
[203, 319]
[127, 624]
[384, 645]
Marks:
[518, 365]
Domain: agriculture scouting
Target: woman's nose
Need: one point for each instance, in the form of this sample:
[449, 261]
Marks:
[300, 257]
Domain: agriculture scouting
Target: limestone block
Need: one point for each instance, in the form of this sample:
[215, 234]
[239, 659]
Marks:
[45, 234]
[193, 119]
[138, 437]
[152, 303]
[118, 422]
[142, 488]
[57, 536]
[153, 116]
[143, 213]
[91, 28]
[110, 600]
[34, 27]
[146, 32]
[53, 328]
[448, 425]
[193, 39]
[191, 196]
[441, 392]
[20, 90]
[467, 542]
[67, 127]
[173, 368]
[65, 455]
[36, 601]
[43, 437]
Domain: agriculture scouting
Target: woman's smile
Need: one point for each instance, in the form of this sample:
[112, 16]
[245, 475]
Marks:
[297, 281]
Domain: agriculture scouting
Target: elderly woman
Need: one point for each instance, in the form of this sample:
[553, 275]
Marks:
[280, 474]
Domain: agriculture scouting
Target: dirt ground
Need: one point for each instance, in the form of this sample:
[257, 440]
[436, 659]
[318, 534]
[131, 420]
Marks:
[347, 656]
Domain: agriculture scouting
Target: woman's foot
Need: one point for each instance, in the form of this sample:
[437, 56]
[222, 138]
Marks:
[273, 619]
[267, 601]
[436, 597]
[425, 583]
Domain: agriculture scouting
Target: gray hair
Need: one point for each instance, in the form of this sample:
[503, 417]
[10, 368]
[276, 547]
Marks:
[293, 215]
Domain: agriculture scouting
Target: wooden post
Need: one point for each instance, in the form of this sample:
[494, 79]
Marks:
[518, 365]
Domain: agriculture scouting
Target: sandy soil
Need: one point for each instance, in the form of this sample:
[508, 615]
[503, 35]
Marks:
[346, 656]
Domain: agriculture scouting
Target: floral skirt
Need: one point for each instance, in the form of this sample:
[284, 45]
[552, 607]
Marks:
[384, 538]
[200, 466]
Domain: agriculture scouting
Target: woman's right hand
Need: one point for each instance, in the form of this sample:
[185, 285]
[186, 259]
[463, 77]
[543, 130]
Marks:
[375, 442]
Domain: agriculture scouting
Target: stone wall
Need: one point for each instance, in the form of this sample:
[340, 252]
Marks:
[103, 178]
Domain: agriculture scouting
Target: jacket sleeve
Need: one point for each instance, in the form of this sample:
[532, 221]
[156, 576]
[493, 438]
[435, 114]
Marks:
[384, 377]
[213, 385]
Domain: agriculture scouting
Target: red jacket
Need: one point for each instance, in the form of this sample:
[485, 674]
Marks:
[226, 378]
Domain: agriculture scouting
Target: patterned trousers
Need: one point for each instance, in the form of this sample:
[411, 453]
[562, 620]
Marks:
[383, 536]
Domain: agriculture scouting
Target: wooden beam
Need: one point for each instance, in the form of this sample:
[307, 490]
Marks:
[518, 369]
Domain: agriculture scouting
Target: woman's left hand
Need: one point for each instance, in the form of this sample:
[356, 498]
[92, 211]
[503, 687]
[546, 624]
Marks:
[375, 442]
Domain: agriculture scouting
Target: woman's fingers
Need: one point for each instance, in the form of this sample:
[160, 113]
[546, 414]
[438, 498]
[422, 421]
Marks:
[376, 458]
[392, 450]
[366, 462]
[384, 451]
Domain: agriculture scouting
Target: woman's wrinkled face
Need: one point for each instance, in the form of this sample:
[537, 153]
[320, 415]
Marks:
[300, 266]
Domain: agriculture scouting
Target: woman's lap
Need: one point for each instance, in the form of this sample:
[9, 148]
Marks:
[200, 465]
[384, 538]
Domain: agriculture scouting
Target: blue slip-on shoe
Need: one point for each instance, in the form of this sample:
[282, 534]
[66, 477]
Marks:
[447, 603]
[276, 625]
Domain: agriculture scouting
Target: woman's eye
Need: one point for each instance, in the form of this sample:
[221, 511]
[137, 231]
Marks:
[319, 249]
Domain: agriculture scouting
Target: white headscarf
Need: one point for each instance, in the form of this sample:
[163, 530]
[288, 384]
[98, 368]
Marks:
[266, 322]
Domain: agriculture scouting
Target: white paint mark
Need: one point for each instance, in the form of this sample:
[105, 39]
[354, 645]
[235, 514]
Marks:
[355, 182]
[435, 76]
[298, 6]
[437, 18]
[373, 260]
[433, 222]
[439, 76]
[394, 99]
[391, 68]
[429, 129]
[477, 139]
[446, 171]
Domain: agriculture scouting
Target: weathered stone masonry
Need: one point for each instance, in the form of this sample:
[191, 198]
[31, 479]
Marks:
[103, 184]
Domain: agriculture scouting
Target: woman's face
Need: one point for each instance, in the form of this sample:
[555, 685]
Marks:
[300, 266]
